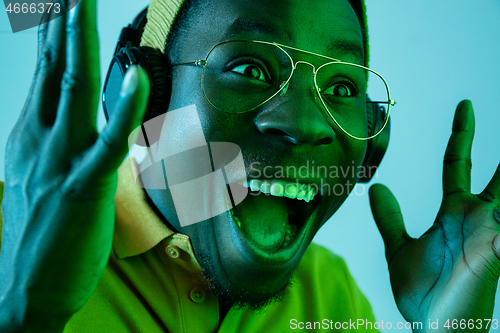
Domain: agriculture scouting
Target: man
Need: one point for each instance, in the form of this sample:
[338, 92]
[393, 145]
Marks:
[287, 125]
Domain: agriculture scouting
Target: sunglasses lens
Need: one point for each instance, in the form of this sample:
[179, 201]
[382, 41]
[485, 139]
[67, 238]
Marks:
[240, 76]
[343, 91]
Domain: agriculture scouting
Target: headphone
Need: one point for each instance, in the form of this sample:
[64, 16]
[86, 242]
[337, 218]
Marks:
[128, 52]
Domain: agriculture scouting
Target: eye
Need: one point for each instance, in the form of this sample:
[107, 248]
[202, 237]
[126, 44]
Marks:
[252, 71]
[341, 89]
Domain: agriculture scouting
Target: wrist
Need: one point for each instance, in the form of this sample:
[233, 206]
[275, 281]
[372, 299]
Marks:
[16, 315]
[22, 308]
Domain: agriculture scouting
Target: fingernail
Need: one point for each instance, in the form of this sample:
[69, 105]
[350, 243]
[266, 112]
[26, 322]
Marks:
[130, 81]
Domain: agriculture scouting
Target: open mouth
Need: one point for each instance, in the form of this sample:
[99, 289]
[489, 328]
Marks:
[275, 212]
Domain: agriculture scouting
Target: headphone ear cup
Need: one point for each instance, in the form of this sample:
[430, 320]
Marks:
[113, 83]
[371, 117]
[160, 91]
[378, 145]
[155, 65]
[161, 82]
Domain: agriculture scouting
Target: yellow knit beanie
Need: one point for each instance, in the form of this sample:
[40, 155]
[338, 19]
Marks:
[161, 17]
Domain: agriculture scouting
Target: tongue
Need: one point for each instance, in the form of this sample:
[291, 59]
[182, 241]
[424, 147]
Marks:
[264, 220]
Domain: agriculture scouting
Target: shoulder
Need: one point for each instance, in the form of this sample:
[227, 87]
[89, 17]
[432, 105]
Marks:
[319, 259]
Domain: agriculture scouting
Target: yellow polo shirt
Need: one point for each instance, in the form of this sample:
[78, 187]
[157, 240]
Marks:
[153, 283]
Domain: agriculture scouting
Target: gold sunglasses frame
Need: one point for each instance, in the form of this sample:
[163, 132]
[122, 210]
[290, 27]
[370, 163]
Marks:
[390, 102]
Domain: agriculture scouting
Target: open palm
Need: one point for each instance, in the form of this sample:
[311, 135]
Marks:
[450, 273]
[61, 178]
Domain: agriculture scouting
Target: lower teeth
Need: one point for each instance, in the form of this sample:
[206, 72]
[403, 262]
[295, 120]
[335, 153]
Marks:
[291, 231]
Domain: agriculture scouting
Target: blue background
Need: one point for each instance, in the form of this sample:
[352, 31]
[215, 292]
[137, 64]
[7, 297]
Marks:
[432, 53]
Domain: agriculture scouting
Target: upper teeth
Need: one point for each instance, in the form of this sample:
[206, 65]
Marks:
[280, 188]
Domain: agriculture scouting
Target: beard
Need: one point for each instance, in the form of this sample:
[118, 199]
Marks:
[234, 297]
[227, 297]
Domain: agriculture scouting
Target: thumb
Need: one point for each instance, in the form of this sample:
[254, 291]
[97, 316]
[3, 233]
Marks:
[387, 216]
[112, 145]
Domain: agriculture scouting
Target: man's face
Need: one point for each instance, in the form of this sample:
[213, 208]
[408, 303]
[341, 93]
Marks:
[252, 262]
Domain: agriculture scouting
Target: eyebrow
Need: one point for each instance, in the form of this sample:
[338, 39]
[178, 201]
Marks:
[348, 47]
[338, 47]
[245, 24]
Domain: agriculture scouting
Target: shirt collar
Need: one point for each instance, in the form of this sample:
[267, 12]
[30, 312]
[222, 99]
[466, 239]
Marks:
[137, 227]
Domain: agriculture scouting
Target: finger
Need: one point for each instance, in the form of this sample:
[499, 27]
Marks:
[47, 15]
[41, 105]
[492, 190]
[457, 158]
[42, 33]
[40, 108]
[112, 145]
[387, 216]
[76, 118]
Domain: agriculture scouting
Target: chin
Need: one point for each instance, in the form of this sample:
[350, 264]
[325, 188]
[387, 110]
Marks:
[233, 295]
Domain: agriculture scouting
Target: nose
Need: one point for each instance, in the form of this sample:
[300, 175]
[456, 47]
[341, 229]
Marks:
[296, 116]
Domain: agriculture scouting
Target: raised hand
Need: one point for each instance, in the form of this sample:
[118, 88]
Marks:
[58, 204]
[450, 273]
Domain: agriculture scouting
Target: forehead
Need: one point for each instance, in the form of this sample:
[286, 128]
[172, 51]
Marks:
[328, 27]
